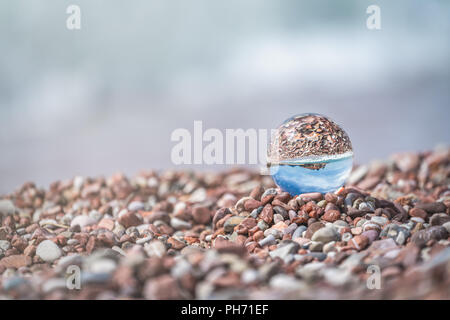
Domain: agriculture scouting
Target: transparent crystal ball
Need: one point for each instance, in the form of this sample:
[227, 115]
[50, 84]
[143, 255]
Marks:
[310, 153]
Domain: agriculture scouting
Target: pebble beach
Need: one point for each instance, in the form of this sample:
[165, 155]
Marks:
[232, 235]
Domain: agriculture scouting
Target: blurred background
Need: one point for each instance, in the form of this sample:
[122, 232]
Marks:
[107, 97]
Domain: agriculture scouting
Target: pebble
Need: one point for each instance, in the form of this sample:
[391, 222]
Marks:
[313, 196]
[251, 204]
[434, 207]
[275, 232]
[290, 229]
[129, 219]
[337, 277]
[7, 207]
[347, 236]
[48, 251]
[73, 259]
[155, 248]
[315, 246]
[262, 225]
[144, 240]
[179, 224]
[396, 232]
[298, 232]
[269, 240]
[255, 213]
[267, 213]
[268, 192]
[372, 235]
[14, 282]
[280, 212]
[329, 247]
[436, 233]
[232, 222]
[447, 226]
[136, 206]
[103, 266]
[286, 283]
[379, 220]
[82, 221]
[277, 218]
[418, 220]
[326, 235]
[359, 242]
[54, 284]
[4, 245]
[439, 219]
[201, 215]
[419, 213]
[313, 228]
[15, 261]
[284, 250]
[310, 271]
[331, 215]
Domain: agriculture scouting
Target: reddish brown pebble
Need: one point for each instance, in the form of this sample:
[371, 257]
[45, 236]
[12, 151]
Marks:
[267, 214]
[416, 212]
[15, 261]
[201, 215]
[251, 204]
[106, 224]
[359, 242]
[176, 244]
[163, 287]
[129, 219]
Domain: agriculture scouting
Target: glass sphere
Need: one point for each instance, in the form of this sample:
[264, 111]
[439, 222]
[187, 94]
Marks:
[310, 153]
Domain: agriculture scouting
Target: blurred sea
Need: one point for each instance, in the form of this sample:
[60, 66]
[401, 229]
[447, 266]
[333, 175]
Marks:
[107, 97]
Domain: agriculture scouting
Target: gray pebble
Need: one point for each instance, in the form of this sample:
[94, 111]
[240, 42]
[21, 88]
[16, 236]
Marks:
[7, 207]
[290, 229]
[269, 240]
[379, 220]
[82, 221]
[277, 218]
[316, 246]
[319, 255]
[276, 233]
[269, 191]
[447, 226]
[48, 251]
[284, 250]
[281, 211]
[361, 222]
[255, 213]
[136, 206]
[417, 220]
[298, 232]
[4, 245]
[347, 236]
[262, 225]
[179, 224]
[292, 214]
[144, 240]
[155, 248]
[329, 247]
[340, 223]
[326, 235]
